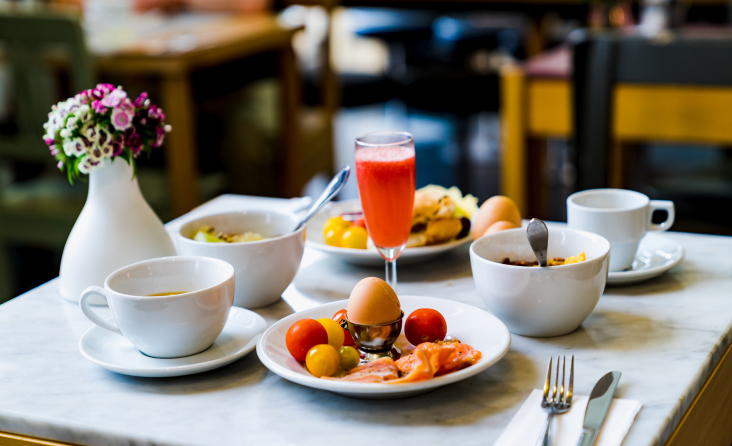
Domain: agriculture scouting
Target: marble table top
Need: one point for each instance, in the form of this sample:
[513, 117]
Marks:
[665, 335]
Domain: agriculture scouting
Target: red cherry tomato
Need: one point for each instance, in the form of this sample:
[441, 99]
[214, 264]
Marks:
[347, 339]
[304, 335]
[425, 325]
[361, 223]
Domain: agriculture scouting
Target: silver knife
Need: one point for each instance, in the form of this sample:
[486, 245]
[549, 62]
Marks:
[597, 407]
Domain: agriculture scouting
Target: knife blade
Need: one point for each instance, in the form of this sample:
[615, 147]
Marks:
[597, 407]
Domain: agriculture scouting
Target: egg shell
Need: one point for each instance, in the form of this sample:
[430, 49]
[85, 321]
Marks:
[500, 226]
[495, 209]
[373, 302]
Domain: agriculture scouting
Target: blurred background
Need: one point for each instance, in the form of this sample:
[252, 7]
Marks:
[533, 99]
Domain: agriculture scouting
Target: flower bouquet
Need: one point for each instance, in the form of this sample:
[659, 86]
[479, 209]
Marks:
[87, 129]
[116, 227]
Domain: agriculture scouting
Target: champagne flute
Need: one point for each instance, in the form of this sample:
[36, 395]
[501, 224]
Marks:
[386, 173]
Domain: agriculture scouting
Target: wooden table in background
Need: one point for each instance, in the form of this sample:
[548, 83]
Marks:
[208, 44]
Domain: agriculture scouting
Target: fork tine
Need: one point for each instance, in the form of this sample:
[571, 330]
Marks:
[571, 382]
[561, 389]
[548, 381]
[556, 383]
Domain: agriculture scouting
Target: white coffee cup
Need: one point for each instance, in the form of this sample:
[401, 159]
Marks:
[167, 326]
[621, 216]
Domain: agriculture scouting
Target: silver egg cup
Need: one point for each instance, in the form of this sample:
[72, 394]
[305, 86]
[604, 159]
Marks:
[376, 341]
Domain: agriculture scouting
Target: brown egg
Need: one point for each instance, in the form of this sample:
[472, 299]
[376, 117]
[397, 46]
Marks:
[373, 302]
[500, 226]
[498, 208]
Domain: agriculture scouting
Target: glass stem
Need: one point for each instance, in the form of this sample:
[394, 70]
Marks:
[391, 275]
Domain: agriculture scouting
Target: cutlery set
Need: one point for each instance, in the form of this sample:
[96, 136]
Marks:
[558, 400]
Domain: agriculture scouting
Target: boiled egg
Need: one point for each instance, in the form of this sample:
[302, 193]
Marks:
[500, 226]
[495, 209]
[373, 302]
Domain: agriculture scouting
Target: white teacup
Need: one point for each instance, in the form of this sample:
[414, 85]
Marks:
[621, 216]
[167, 326]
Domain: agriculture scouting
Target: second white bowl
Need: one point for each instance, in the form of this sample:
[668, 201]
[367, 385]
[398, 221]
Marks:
[263, 268]
[535, 301]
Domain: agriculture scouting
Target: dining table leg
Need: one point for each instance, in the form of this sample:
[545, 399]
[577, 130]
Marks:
[180, 144]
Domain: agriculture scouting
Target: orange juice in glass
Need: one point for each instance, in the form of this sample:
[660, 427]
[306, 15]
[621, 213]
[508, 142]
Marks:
[386, 173]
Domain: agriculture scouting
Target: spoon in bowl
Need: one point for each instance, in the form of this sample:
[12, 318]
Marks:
[335, 186]
[538, 236]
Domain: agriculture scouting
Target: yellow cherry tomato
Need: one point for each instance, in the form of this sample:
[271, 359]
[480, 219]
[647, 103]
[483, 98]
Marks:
[334, 235]
[354, 237]
[349, 357]
[335, 331]
[334, 222]
[323, 360]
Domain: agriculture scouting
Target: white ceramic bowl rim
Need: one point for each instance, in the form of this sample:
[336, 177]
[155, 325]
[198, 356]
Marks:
[642, 198]
[290, 216]
[599, 258]
[211, 260]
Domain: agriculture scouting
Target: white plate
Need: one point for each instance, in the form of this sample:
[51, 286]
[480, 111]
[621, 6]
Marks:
[471, 325]
[369, 257]
[115, 353]
[656, 255]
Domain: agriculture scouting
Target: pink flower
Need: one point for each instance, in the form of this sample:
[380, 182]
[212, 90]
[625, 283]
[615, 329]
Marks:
[156, 113]
[98, 107]
[49, 141]
[114, 98]
[134, 142]
[122, 118]
[117, 149]
[159, 137]
[140, 101]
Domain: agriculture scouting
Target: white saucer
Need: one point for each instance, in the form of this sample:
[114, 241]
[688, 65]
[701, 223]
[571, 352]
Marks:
[471, 325]
[369, 257]
[656, 255]
[115, 353]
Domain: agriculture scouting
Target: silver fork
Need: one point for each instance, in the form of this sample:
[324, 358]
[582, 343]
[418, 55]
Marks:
[556, 404]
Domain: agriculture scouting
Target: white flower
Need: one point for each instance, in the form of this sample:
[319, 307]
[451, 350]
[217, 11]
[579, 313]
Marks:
[71, 122]
[85, 166]
[75, 147]
[95, 153]
[91, 132]
[83, 114]
[65, 133]
[104, 142]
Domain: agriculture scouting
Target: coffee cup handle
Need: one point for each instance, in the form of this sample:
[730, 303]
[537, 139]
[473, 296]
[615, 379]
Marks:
[86, 309]
[665, 205]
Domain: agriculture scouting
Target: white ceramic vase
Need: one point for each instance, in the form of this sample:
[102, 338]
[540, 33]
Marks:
[116, 228]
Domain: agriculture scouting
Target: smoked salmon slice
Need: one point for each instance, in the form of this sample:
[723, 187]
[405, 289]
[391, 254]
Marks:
[429, 360]
[383, 369]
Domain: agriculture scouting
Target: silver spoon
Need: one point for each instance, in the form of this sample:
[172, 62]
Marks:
[335, 185]
[538, 236]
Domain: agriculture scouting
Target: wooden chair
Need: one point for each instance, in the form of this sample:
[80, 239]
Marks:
[41, 213]
[677, 89]
[631, 90]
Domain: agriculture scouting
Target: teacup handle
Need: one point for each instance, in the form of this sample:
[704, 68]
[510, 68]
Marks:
[86, 309]
[665, 205]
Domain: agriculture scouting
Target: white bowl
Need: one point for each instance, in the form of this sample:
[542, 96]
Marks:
[263, 268]
[370, 256]
[535, 301]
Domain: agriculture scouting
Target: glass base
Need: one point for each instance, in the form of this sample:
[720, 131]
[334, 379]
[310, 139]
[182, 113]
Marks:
[391, 254]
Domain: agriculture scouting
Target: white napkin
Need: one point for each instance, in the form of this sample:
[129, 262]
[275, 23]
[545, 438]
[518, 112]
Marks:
[527, 424]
